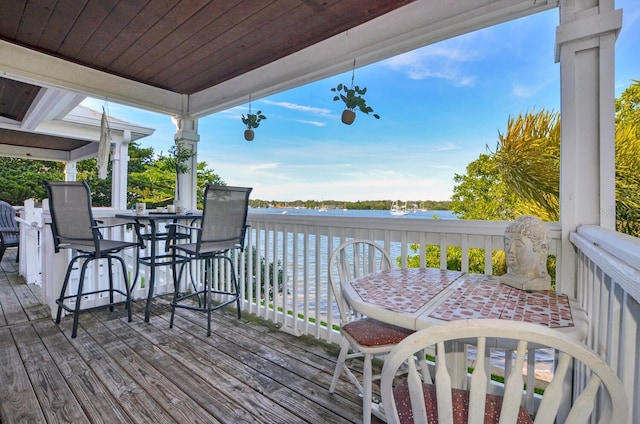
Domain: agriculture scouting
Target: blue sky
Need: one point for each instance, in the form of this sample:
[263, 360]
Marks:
[441, 106]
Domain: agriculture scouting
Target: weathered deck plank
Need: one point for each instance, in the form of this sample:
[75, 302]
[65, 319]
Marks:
[138, 372]
[57, 401]
[17, 399]
[82, 381]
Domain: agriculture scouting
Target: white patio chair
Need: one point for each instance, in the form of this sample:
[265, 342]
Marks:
[366, 337]
[416, 400]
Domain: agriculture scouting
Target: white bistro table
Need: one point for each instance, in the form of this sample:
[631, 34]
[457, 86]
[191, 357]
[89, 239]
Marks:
[415, 298]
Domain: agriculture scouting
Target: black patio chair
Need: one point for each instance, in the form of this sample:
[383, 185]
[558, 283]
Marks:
[222, 229]
[74, 228]
[9, 231]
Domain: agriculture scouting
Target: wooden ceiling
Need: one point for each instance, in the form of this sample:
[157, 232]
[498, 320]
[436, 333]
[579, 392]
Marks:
[40, 141]
[16, 98]
[183, 46]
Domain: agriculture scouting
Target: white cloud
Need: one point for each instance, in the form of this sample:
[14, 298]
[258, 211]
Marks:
[314, 123]
[261, 166]
[522, 91]
[441, 61]
[303, 108]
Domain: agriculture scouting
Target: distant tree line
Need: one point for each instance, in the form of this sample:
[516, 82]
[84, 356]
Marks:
[359, 205]
[151, 178]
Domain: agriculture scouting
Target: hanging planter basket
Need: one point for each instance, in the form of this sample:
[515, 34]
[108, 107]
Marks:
[251, 121]
[348, 116]
[353, 98]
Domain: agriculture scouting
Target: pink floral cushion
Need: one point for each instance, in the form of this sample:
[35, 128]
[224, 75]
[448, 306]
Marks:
[369, 332]
[460, 406]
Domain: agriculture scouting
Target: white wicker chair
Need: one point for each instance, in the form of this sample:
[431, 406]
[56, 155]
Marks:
[364, 336]
[416, 400]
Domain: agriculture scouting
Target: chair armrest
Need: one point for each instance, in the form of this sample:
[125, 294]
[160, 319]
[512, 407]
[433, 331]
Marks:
[119, 224]
[173, 233]
[177, 225]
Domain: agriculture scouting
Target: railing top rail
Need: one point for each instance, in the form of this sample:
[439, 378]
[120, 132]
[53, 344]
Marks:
[453, 226]
[617, 254]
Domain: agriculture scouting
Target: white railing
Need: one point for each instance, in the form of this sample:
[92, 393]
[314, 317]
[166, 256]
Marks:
[608, 273]
[294, 250]
[310, 240]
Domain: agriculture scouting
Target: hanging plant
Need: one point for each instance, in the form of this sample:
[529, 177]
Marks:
[353, 99]
[251, 121]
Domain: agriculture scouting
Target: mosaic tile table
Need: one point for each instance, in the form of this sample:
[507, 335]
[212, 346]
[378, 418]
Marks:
[417, 297]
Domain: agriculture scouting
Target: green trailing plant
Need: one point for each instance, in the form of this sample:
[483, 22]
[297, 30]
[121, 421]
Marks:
[252, 120]
[352, 98]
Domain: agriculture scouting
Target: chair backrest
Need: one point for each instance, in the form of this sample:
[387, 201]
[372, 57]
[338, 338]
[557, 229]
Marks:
[610, 402]
[352, 259]
[71, 216]
[224, 217]
[8, 224]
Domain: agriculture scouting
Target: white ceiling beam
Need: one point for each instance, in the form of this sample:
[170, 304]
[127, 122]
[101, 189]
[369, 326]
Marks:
[85, 152]
[49, 104]
[37, 68]
[32, 153]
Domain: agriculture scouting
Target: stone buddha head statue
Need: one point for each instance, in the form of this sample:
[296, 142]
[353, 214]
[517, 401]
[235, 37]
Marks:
[526, 245]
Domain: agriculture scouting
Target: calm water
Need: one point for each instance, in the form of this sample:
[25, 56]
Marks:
[357, 213]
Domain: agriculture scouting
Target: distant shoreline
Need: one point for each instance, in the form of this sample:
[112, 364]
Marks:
[417, 214]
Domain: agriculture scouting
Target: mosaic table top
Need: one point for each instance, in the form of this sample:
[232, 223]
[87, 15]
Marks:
[404, 290]
[415, 296]
[482, 296]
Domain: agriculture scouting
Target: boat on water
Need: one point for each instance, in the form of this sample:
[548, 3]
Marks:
[397, 210]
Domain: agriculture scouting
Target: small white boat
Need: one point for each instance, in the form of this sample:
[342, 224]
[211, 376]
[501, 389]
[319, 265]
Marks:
[398, 210]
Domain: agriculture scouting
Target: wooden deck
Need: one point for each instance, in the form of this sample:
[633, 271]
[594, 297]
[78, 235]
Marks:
[115, 371]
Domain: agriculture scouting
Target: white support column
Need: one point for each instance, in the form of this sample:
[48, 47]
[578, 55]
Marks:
[585, 48]
[119, 164]
[187, 134]
[70, 171]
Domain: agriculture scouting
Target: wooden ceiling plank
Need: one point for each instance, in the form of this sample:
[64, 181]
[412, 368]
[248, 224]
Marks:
[40, 141]
[60, 23]
[191, 36]
[131, 37]
[16, 98]
[35, 17]
[10, 18]
[156, 33]
[84, 28]
[215, 36]
[117, 20]
[234, 37]
[289, 35]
